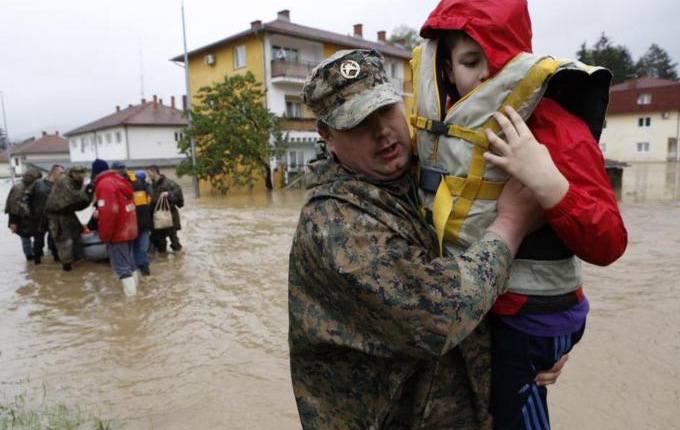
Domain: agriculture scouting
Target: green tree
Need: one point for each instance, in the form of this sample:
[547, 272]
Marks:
[657, 63]
[406, 36]
[236, 135]
[615, 58]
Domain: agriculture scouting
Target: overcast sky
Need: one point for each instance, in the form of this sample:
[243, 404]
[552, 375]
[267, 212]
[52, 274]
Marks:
[64, 63]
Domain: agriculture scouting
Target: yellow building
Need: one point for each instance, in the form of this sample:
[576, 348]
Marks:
[280, 54]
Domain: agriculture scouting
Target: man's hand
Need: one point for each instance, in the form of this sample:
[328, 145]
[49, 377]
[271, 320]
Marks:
[550, 376]
[13, 227]
[164, 194]
[523, 157]
[518, 214]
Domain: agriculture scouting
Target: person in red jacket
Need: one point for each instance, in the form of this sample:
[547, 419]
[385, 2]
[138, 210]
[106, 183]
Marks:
[530, 333]
[116, 221]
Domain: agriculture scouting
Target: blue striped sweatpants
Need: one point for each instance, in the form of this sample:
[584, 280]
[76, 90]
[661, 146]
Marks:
[517, 403]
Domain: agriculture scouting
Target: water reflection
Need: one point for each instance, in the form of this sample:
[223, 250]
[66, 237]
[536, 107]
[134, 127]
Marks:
[644, 182]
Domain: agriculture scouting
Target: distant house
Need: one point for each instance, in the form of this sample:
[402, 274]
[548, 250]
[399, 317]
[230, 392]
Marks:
[280, 54]
[47, 150]
[4, 165]
[139, 135]
[643, 121]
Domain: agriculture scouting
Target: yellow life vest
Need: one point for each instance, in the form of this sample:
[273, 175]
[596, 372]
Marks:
[458, 188]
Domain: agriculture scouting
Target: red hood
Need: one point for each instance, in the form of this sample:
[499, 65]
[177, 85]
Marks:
[501, 27]
[121, 184]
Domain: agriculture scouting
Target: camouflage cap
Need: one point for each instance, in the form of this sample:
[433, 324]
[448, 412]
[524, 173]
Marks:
[78, 169]
[347, 87]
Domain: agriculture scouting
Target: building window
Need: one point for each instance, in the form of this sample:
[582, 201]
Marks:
[178, 136]
[285, 54]
[644, 99]
[108, 137]
[603, 147]
[292, 159]
[644, 122]
[118, 137]
[294, 109]
[99, 139]
[240, 57]
[643, 147]
[301, 158]
[74, 143]
[82, 144]
[16, 161]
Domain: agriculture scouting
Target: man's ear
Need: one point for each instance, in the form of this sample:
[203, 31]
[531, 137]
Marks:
[327, 136]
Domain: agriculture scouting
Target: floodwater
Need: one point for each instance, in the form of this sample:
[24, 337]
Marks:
[204, 343]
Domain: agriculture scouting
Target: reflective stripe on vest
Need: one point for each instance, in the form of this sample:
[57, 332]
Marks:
[457, 185]
[141, 198]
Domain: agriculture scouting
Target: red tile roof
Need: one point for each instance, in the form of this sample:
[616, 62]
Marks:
[310, 33]
[47, 144]
[665, 96]
[147, 113]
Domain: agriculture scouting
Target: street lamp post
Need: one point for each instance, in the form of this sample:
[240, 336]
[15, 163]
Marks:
[9, 145]
[197, 190]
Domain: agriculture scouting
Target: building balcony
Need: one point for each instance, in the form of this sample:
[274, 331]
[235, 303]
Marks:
[298, 124]
[290, 71]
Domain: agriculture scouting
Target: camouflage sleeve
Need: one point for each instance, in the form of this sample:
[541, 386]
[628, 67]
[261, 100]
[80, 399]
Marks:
[385, 295]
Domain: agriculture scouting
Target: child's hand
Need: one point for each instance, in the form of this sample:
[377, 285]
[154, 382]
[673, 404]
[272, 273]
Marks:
[526, 159]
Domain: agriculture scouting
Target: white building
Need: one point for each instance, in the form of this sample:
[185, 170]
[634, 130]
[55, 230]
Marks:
[138, 135]
[643, 121]
[47, 150]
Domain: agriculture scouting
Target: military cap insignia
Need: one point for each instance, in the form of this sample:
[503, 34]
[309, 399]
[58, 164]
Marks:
[349, 69]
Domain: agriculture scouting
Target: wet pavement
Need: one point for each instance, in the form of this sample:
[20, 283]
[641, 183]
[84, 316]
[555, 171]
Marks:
[203, 345]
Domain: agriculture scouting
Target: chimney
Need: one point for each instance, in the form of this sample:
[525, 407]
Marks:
[143, 101]
[44, 133]
[57, 133]
[117, 108]
[359, 30]
[283, 15]
[172, 102]
[155, 101]
[256, 25]
[184, 102]
[382, 36]
[160, 102]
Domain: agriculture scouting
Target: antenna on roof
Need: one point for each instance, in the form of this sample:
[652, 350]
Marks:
[141, 67]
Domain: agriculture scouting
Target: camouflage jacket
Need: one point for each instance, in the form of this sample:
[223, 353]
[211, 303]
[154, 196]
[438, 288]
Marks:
[383, 333]
[26, 224]
[66, 198]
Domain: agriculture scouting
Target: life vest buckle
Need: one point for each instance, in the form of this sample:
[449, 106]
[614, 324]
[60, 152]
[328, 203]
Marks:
[438, 127]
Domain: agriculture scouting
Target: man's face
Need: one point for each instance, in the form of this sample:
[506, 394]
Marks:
[151, 174]
[378, 148]
[58, 173]
[468, 66]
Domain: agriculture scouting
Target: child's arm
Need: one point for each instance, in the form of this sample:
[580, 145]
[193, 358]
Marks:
[586, 217]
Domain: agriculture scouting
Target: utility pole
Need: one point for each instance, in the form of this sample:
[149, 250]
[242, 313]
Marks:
[197, 191]
[9, 144]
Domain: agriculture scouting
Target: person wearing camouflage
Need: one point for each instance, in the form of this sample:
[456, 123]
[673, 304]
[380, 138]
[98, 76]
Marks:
[384, 332]
[66, 198]
[21, 221]
[34, 200]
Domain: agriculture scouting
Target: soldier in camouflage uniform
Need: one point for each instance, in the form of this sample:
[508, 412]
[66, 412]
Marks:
[66, 198]
[20, 220]
[384, 333]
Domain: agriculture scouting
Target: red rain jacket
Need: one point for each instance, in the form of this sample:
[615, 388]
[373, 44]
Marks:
[117, 220]
[587, 219]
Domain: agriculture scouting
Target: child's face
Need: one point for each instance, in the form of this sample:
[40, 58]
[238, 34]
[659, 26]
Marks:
[468, 66]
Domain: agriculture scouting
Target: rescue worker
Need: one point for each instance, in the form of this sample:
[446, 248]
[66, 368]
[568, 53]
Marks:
[142, 191]
[117, 224]
[163, 186]
[34, 200]
[66, 198]
[20, 222]
[384, 333]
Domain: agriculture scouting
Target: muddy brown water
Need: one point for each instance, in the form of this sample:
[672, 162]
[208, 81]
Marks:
[203, 345]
